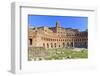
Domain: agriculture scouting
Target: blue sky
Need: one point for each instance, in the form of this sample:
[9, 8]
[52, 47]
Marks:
[75, 22]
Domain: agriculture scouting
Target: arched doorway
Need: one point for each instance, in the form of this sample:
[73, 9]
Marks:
[55, 45]
[67, 44]
[30, 41]
[63, 44]
[44, 45]
[47, 45]
[51, 45]
[71, 44]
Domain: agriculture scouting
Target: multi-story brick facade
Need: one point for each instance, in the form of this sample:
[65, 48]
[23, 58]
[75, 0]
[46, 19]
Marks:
[57, 37]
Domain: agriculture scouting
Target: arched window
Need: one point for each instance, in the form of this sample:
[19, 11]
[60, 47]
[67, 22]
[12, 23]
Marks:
[59, 46]
[51, 45]
[71, 44]
[85, 43]
[63, 44]
[47, 45]
[43, 44]
[30, 41]
[67, 44]
[55, 45]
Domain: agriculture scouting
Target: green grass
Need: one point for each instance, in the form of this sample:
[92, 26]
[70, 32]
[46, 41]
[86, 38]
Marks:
[67, 54]
[59, 53]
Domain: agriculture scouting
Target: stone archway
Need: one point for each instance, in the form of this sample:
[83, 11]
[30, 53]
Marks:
[67, 44]
[47, 45]
[71, 44]
[30, 41]
[44, 45]
[63, 44]
[51, 45]
[55, 45]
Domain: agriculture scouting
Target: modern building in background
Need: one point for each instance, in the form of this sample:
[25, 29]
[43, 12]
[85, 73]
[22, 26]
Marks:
[57, 37]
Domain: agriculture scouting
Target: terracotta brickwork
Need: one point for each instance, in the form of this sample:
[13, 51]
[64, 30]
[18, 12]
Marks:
[57, 37]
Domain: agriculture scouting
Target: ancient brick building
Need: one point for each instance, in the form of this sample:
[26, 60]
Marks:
[57, 37]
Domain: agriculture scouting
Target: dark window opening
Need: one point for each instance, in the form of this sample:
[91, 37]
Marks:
[44, 45]
[47, 45]
[63, 44]
[59, 45]
[55, 44]
[30, 41]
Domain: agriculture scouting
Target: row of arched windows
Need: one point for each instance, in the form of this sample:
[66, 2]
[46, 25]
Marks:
[49, 45]
[81, 34]
[55, 45]
[30, 41]
[49, 39]
[78, 39]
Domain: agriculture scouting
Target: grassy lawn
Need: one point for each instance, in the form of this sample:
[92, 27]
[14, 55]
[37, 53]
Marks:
[58, 54]
[67, 54]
